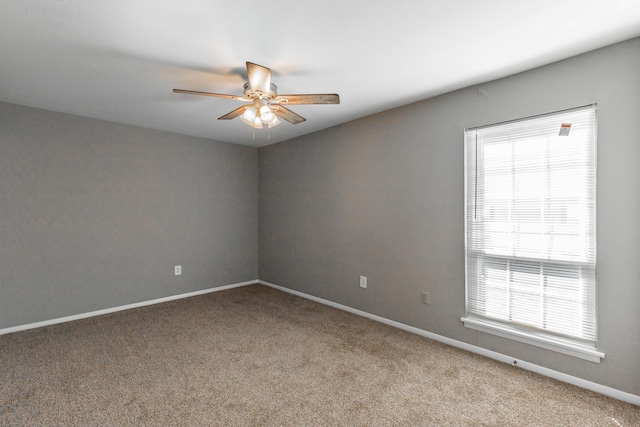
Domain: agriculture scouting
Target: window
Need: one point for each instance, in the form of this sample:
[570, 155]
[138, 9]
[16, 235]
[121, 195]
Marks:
[530, 231]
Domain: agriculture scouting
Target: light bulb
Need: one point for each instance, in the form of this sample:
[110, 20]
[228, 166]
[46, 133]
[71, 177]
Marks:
[266, 115]
[275, 122]
[250, 117]
[249, 114]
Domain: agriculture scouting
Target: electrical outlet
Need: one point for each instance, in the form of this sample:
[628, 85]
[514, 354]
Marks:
[228, 270]
[177, 270]
[363, 281]
[425, 298]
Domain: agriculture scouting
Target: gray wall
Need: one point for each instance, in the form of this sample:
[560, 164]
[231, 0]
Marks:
[383, 197]
[95, 214]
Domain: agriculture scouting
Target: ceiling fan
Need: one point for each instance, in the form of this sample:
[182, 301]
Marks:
[264, 105]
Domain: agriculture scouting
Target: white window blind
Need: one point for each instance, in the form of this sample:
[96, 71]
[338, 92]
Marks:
[530, 227]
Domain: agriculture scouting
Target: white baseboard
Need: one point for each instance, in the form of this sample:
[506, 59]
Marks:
[579, 382]
[121, 308]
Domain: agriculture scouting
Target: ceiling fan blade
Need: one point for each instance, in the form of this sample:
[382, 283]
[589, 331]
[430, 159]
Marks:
[323, 98]
[259, 77]
[235, 113]
[215, 95]
[286, 114]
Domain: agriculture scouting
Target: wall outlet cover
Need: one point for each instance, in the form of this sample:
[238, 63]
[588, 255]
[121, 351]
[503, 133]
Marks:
[425, 298]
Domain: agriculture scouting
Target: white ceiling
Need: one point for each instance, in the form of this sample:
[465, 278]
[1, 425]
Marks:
[119, 60]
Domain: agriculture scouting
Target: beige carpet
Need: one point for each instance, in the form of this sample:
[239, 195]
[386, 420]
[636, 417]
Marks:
[258, 356]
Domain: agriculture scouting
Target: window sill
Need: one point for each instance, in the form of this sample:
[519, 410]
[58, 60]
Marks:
[547, 342]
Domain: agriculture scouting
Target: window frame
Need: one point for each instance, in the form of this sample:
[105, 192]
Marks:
[572, 346]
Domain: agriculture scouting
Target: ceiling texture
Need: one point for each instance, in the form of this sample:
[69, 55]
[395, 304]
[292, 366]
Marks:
[119, 60]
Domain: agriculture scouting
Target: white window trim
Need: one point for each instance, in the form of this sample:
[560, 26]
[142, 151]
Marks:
[540, 339]
[559, 345]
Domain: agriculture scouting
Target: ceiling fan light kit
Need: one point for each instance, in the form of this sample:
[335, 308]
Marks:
[265, 106]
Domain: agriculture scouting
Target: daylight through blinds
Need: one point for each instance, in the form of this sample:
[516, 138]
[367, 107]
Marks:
[530, 223]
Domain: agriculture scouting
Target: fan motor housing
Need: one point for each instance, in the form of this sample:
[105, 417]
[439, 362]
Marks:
[253, 94]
